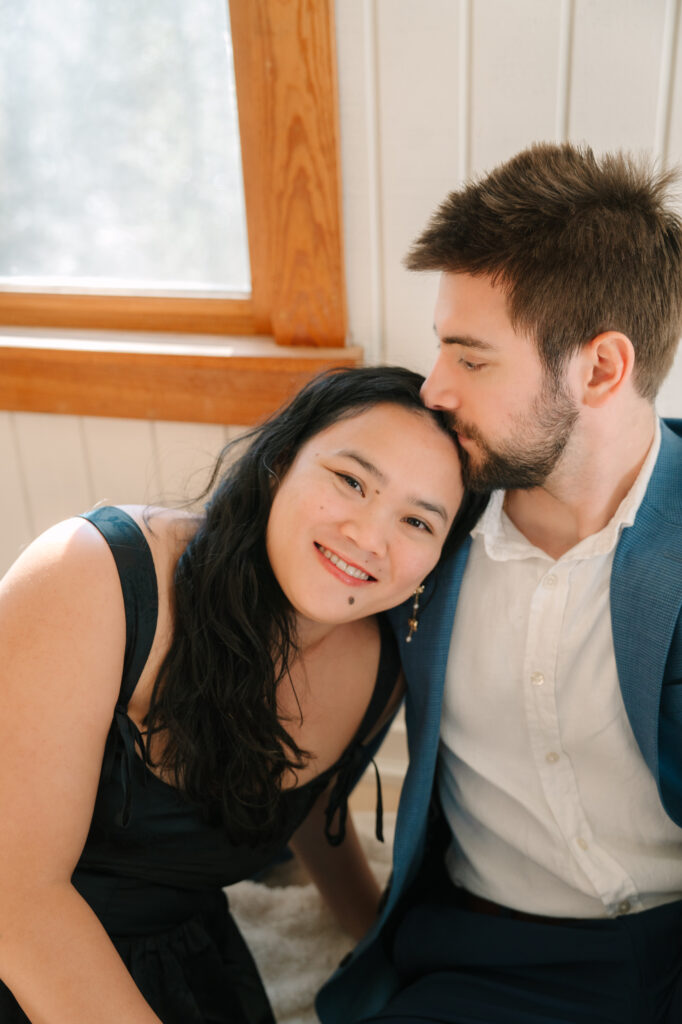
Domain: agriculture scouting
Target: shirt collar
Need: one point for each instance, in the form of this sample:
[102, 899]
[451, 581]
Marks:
[503, 541]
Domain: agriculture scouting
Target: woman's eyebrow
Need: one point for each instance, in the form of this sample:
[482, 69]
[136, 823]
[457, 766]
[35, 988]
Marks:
[412, 499]
[429, 506]
[365, 463]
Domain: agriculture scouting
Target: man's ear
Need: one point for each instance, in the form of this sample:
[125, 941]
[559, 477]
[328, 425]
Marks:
[606, 364]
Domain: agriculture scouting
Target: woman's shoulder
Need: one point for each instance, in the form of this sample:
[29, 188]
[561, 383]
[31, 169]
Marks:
[62, 625]
[66, 579]
[71, 563]
[69, 552]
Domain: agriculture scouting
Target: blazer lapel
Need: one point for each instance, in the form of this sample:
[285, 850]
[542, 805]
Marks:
[424, 661]
[646, 596]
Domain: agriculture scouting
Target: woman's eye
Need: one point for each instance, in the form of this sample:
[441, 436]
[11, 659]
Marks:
[419, 523]
[351, 481]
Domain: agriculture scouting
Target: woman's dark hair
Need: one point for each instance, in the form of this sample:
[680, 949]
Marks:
[215, 697]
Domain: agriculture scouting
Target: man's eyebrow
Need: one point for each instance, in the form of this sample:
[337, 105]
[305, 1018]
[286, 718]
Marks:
[428, 506]
[466, 341]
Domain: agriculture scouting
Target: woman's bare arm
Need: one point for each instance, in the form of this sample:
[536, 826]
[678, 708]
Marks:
[341, 873]
[62, 638]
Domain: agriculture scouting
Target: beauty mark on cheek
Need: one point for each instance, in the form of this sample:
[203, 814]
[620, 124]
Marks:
[351, 600]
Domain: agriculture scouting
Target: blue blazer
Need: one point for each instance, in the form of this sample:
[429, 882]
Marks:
[646, 603]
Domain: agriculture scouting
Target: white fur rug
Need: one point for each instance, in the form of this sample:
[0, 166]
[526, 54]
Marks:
[291, 933]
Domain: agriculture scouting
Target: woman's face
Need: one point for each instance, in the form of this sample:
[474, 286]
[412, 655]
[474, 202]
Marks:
[360, 518]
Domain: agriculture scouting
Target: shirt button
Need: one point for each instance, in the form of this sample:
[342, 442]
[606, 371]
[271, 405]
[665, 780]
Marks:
[624, 907]
[582, 843]
[549, 581]
[537, 679]
[552, 757]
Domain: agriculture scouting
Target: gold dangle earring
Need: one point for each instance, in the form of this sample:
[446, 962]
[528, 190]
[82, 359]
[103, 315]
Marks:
[413, 621]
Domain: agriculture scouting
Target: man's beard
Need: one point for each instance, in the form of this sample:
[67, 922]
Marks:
[530, 454]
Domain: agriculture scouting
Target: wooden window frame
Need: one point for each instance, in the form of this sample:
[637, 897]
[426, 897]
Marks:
[285, 71]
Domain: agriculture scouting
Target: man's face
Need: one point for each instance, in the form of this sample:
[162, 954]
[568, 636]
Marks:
[512, 420]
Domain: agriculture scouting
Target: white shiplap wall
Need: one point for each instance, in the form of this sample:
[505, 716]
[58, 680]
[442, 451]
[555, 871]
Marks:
[58, 466]
[431, 91]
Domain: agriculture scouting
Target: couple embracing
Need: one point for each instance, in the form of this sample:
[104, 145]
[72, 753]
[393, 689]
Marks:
[525, 529]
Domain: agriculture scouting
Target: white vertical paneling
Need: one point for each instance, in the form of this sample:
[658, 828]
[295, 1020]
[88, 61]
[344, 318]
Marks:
[669, 132]
[666, 79]
[618, 46]
[564, 66]
[233, 433]
[418, 47]
[185, 454]
[674, 150]
[464, 112]
[361, 173]
[121, 456]
[57, 466]
[15, 516]
[54, 466]
[513, 100]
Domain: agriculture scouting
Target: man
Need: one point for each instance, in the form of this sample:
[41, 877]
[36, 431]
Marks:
[556, 894]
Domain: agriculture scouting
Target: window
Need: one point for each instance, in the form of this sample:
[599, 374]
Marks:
[286, 91]
[120, 162]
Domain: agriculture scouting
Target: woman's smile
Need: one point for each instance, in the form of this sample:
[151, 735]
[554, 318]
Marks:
[346, 571]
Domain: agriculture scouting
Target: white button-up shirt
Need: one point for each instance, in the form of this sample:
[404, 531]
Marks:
[551, 805]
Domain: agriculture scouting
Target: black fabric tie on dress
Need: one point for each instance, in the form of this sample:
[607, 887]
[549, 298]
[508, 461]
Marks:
[347, 776]
[130, 738]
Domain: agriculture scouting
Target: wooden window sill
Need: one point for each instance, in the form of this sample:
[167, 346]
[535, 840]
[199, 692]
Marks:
[148, 376]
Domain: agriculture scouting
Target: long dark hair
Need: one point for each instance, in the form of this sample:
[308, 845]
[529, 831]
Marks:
[215, 697]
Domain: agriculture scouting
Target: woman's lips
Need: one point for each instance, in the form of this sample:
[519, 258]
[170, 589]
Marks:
[343, 570]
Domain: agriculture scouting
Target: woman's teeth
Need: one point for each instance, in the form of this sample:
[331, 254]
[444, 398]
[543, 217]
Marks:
[350, 570]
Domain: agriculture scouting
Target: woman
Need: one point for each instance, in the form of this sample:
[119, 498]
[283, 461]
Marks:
[175, 714]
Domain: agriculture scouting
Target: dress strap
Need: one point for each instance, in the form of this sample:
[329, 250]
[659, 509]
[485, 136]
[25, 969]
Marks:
[141, 603]
[138, 584]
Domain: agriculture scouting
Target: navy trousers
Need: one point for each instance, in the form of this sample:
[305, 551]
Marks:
[462, 967]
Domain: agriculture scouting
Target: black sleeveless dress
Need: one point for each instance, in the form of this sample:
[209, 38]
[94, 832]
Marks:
[152, 869]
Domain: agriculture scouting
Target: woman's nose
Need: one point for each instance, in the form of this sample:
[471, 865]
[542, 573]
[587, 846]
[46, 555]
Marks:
[368, 531]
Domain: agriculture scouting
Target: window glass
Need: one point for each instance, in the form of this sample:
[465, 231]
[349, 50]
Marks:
[120, 168]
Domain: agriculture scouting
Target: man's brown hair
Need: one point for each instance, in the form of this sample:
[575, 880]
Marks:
[581, 244]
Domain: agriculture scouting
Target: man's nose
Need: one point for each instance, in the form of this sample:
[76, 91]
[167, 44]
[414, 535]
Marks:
[439, 390]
